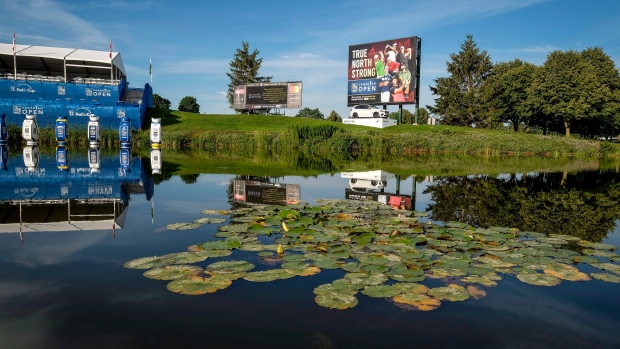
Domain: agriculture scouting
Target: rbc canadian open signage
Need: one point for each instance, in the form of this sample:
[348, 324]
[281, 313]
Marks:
[384, 72]
[266, 95]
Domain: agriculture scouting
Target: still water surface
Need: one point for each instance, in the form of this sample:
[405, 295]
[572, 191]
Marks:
[69, 289]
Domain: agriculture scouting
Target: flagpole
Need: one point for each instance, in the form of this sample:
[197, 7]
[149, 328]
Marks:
[151, 71]
[14, 60]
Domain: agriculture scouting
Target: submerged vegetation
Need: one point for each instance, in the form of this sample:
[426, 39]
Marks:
[380, 252]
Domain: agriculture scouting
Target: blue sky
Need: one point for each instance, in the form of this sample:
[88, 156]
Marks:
[191, 42]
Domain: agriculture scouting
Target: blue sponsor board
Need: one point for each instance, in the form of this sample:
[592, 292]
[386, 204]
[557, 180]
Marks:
[362, 87]
[26, 89]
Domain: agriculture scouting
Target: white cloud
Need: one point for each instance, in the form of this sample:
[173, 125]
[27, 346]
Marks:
[61, 27]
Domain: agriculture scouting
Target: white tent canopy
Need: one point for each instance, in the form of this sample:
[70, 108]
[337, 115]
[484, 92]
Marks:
[57, 61]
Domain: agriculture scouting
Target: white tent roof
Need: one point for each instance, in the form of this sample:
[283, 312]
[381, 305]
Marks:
[43, 54]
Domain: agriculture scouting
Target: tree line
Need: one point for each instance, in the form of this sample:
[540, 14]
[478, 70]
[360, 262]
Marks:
[571, 93]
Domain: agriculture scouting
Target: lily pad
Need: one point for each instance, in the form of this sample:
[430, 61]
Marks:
[215, 212]
[453, 293]
[606, 277]
[173, 272]
[419, 301]
[334, 300]
[209, 221]
[262, 276]
[539, 279]
[197, 285]
[566, 272]
[183, 226]
[148, 262]
[229, 267]
[381, 291]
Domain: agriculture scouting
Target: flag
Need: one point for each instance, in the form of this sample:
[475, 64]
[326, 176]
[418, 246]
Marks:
[13, 43]
[151, 70]
[110, 49]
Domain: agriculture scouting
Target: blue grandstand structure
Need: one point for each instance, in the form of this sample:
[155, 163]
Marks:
[49, 82]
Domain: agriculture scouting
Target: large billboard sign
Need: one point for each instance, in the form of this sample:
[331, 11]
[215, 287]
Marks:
[267, 95]
[384, 72]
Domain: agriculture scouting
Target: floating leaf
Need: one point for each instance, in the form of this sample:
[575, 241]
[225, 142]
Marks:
[336, 301]
[479, 280]
[309, 271]
[597, 245]
[186, 257]
[183, 226]
[331, 288]
[148, 262]
[209, 221]
[606, 277]
[614, 268]
[475, 292]
[197, 285]
[173, 272]
[452, 292]
[566, 272]
[229, 267]
[381, 291]
[215, 212]
[366, 279]
[539, 279]
[419, 301]
[262, 276]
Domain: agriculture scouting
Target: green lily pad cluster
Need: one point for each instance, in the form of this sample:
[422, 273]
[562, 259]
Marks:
[383, 253]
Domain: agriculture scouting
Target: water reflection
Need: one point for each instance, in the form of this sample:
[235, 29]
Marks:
[583, 204]
[256, 190]
[44, 192]
[370, 185]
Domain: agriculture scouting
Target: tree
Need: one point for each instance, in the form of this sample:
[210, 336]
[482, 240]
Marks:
[568, 89]
[407, 118]
[160, 102]
[423, 116]
[189, 104]
[505, 92]
[310, 113]
[243, 70]
[333, 116]
[459, 97]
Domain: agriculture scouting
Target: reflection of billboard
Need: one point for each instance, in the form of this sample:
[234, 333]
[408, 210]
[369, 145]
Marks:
[384, 72]
[397, 201]
[261, 193]
[267, 95]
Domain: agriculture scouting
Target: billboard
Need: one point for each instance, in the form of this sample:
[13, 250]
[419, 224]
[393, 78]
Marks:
[384, 72]
[397, 201]
[261, 193]
[267, 95]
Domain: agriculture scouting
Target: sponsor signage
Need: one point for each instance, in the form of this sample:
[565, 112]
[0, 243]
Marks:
[397, 201]
[261, 193]
[384, 72]
[267, 95]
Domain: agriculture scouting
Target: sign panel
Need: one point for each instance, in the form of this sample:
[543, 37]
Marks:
[397, 201]
[384, 72]
[261, 193]
[267, 95]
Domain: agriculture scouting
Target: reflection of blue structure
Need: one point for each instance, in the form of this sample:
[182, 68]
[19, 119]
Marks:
[56, 194]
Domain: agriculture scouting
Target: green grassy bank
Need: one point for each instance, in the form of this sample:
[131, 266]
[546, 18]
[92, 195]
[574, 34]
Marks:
[276, 136]
[283, 137]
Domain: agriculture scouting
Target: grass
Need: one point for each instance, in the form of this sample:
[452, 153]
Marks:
[247, 134]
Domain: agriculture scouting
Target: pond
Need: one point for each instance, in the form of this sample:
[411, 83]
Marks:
[68, 235]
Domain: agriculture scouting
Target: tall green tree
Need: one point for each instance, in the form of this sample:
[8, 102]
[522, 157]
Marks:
[505, 93]
[568, 89]
[459, 99]
[243, 70]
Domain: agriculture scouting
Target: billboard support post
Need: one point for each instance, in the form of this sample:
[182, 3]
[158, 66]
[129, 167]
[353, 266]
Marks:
[417, 80]
[400, 114]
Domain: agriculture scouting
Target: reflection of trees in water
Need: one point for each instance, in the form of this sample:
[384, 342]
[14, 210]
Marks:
[584, 204]
[190, 178]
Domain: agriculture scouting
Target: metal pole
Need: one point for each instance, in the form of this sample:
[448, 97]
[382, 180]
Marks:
[400, 114]
[413, 192]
